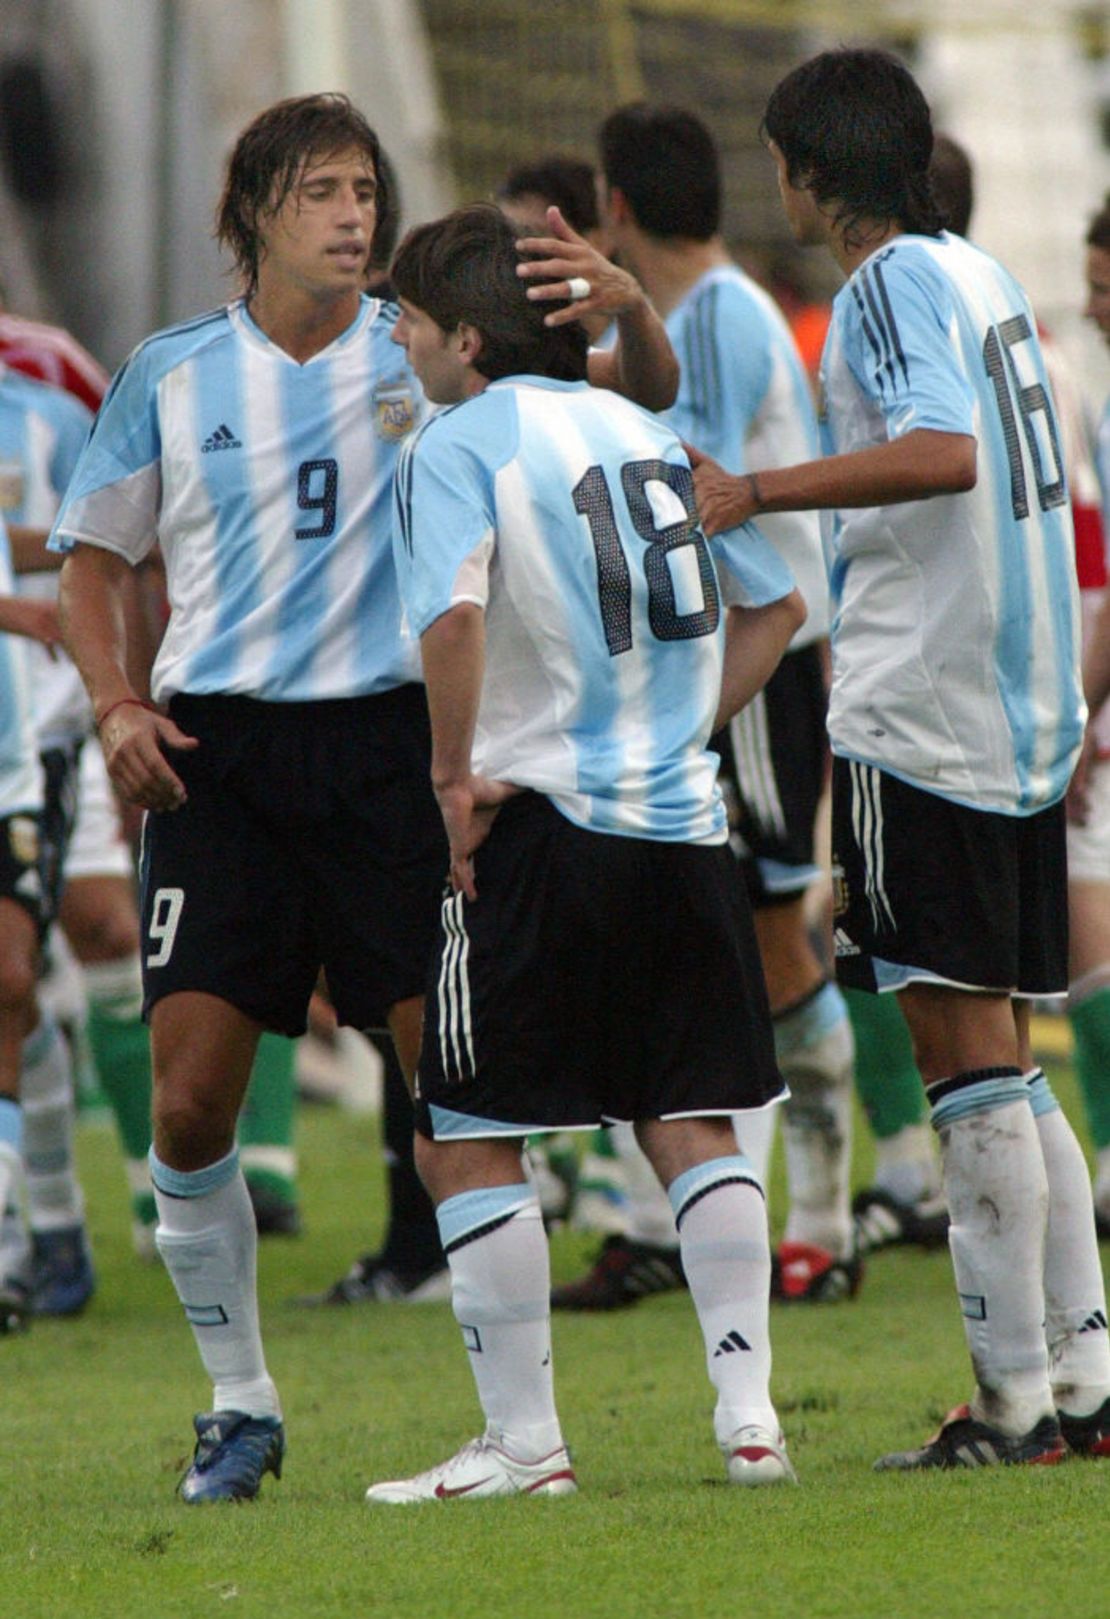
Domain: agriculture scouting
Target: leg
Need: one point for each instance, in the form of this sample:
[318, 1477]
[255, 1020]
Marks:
[1089, 1011]
[18, 957]
[722, 1226]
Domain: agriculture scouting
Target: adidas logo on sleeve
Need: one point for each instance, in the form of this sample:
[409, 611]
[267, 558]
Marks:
[222, 439]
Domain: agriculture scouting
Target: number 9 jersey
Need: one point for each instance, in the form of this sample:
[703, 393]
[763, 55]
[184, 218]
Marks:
[568, 515]
[956, 619]
[267, 483]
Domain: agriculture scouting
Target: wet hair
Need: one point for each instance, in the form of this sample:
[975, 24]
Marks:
[665, 162]
[1098, 232]
[269, 158]
[953, 183]
[463, 268]
[855, 130]
[565, 181]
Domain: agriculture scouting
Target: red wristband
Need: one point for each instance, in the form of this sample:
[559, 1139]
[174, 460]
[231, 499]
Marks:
[137, 702]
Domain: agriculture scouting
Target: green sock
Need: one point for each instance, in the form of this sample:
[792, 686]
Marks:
[1090, 1022]
[266, 1121]
[887, 1082]
[120, 1045]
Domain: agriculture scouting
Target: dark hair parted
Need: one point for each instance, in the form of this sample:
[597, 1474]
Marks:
[855, 130]
[462, 268]
[269, 158]
[1098, 232]
[565, 181]
[665, 162]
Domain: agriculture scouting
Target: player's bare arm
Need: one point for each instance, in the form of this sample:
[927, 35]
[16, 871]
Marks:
[755, 640]
[92, 593]
[37, 620]
[453, 654]
[642, 365]
[28, 548]
[922, 464]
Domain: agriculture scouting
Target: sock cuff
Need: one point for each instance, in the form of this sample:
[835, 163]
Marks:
[978, 1090]
[11, 1123]
[193, 1182]
[39, 1041]
[809, 1020]
[110, 982]
[470, 1215]
[694, 1184]
[1042, 1098]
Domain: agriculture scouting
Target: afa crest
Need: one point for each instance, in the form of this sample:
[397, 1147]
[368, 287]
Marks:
[394, 409]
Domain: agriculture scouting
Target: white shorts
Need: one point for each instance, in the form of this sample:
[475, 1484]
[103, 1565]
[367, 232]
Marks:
[98, 847]
[1089, 846]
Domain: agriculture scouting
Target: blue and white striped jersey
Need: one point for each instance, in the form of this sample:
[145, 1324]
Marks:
[956, 628]
[568, 514]
[744, 398]
[42, 432]
[20, 772]
[267, 483]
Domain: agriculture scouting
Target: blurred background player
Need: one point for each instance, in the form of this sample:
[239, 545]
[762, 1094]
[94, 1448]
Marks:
[744, 397]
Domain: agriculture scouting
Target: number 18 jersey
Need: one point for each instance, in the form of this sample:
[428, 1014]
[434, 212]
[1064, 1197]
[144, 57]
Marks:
[568, 514]
[267, 483]
[956, 625]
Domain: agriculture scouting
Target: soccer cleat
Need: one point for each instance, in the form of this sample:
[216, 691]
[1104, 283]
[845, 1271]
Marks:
[274, 1215]
[15, 1306]
[801, 1273]
[479, 1470]
[232, 1453]
[884, 1221]
[371, 1280]
[623, 1273]
[963, 1441]
[756, 1455]
[62, 1276]
[1087, 1436]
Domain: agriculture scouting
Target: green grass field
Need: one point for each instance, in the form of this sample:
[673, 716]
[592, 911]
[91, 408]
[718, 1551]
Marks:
[96, 1430]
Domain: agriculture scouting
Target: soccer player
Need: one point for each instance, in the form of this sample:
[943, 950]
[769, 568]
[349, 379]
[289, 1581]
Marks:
[292, 824]
[595, 958]
[955, 719]
[745, 399]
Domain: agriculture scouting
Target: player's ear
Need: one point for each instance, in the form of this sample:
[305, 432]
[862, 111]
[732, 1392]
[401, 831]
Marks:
[470, 342]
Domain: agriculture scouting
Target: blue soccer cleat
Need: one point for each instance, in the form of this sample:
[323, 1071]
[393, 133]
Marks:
[62, 1276]
[233, 1452]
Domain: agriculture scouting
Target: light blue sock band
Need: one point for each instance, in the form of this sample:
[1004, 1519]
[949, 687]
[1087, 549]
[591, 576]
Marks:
[11, 1123]
[1042, 1098]
[193, 1182]
[692, 1184]
[807, 1024]
[982, 1097]
[468, 1213]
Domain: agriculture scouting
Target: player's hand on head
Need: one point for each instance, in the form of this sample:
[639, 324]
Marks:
[133, 738]
[564, 264]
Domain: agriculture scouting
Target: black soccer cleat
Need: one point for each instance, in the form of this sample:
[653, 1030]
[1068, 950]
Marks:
[1087, 1436]
[963, 1441]
[883, 1221]
[803, 1273]
[623, 1273]
[373, 1280]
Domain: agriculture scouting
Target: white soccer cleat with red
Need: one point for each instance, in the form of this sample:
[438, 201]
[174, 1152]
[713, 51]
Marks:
[478, 1470]
[756, 1455]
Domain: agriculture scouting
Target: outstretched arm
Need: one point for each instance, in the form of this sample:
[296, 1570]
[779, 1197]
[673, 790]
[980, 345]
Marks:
[642, 365]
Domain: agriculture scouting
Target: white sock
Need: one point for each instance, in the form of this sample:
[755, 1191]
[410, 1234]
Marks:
[207, 1238]
[755, 1136]
[500, 1292]
[649, 1213]
[815, 1052]
[1075, 1294]
[54, 1199]
[997, 1189]
[906, 1164]
[726, 1255]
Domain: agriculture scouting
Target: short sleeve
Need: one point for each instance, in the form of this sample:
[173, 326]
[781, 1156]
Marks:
[750, 569]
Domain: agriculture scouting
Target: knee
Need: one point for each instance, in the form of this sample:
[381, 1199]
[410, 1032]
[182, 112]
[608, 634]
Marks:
[189, 1133]
[17, 984]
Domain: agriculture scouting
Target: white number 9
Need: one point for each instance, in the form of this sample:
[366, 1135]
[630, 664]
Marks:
[165, 914]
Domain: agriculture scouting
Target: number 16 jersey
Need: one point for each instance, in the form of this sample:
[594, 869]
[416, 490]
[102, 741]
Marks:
[956, 630]
[267, 484]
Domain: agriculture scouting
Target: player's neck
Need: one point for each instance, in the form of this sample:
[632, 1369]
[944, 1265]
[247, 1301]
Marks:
[299, 323]
[851, 246]
[667, 269]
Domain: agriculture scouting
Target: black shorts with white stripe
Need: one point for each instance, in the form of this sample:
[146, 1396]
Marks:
[927, 890]
[594, 978]
[774, 760]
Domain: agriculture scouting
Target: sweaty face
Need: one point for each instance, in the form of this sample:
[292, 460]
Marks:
[1098, 289]
[432, 353]
[319, 239]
